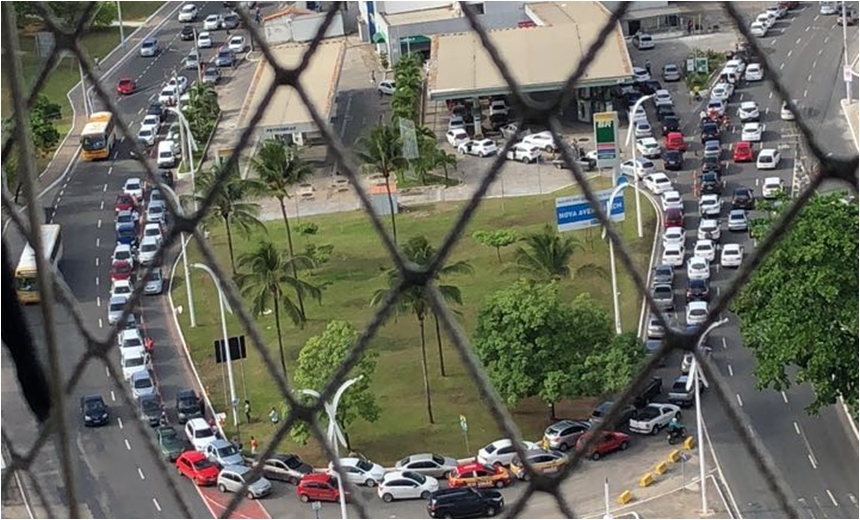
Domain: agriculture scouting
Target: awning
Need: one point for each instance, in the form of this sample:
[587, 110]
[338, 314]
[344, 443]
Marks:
[415, 39]
[378, 37]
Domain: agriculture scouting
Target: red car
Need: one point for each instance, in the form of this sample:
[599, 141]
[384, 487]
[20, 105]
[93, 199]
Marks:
[197, 467]
[609, 442]
[125, 86]
[319, 487]
[675, 141]
[120, 270]
[674, 217]
[743, 152]
[124, 202]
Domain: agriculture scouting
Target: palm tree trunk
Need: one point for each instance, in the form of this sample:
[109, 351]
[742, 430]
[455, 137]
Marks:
[424, 371]
[280, 337]
[230, 245]
[292, 255]
[551, 411]
[391, 208]
[439, 345]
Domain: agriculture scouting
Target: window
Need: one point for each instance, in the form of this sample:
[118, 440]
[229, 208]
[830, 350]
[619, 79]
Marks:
[477, 7]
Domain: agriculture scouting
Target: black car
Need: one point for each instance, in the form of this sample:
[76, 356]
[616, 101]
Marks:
[167, 177]
[622, 419]
[187, 33]
[710, 131]
[664, 273]
[94, 411]
[712, 164]
[150, 409]
[188, 405]
[673, 160]
[671, 124]
[710, 183]
[156, 108]
[743, 198]
[650, 86]
[652, 389]
[698, 290]
[465, 502]
[664, 111]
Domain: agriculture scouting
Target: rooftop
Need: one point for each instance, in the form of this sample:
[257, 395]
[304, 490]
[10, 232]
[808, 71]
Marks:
[421, 16]
[461, 66]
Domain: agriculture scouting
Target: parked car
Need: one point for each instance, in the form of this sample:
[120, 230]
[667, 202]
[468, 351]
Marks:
[709, 228]
[671, 72]
[170, 444]
[204, 40]
[663, 274]
[657, 183]
[651, 389]
[648, 147]
[149, 48]
[232, 478]
[482, 148]
[643, 41]
[465, 502]
[192, 61]
[544, 462]
[187, 33]
[223, 453]
[224, 58]
[673, 160]
[706, 249]
[188, 405]
[212, 22]
[501, 452]
[429, 464]
[768, 159]
[738, 220]
[679, 394]
[319, 487]
[199, 433]
[602, 410]
[771, 187]
[697, 311]
[743, 152]
[754, 72]
[150, 409]
[142, 384]
[653, 417]
[360, 472]
[664, 296]
[405, 485]
[197, 467]
[732, 255]
[609, 442]
[698, 290]
[524, 153]
[698, 268]
[286, 467]
[386, 86]
[237, 44]
[212, 75]
[543, 140]
[675, 141]
[563, 434]
[187, 13]
[475, 474]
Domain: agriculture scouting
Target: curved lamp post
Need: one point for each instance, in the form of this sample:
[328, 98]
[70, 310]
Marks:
[622, 183]
[632, 143]
[334, 433]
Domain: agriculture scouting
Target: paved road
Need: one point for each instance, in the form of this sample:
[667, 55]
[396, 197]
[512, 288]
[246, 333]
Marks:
[817, 455]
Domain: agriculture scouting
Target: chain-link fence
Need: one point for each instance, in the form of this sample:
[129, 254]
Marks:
[55, 292]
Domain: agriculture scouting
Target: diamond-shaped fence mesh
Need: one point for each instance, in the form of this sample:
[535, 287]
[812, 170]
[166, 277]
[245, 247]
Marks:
[55, 292]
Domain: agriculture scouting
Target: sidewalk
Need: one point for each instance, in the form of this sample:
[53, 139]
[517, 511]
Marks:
[852, 114]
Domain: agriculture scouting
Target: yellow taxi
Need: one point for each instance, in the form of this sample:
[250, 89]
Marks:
[543, 461]
[475, 474]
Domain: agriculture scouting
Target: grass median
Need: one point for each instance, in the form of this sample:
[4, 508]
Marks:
[355, 271]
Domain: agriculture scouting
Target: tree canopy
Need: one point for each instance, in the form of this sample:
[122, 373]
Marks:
[799, 308]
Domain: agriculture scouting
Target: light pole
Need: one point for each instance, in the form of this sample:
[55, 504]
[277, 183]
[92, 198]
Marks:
[183, 241]
[845, 54]
[622, 183]
[121, 28]
[87, 110]
[334, 433]
[189, 142]
[222, 303]
[632, 143]
[694, 370]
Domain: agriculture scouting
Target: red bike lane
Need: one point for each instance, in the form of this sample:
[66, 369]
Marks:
[217, 503]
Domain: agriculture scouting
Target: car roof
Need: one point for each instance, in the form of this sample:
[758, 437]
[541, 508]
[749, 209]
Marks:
[186, 393]
[219, 443]
[469, 466]
[141, 374]
[198, 422]
[193, 455]
[237, 469]
[93, 397]
[133, 351]
[696, 304]
[117, 299]
[318, 477]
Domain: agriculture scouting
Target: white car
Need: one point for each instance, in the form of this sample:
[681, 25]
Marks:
[153, 230]
[386, 86]
[179, 82]
[776, 11]
[705, 249]
[710, 205]
[237, 43]
[671, 199]
[501, 452]
[199, 433]
[542, 140]
[147, 251]
[212, 22]
[204, 40]
[748, 111]
[754, 72]
[524, 153]
[658, 183]
[121, 288]
[697, 311]
[717, 105]
[133, 187]
[648, 147]
[674, 236]
[653, 417]
[147, 135]
[673, 255]
[766, 20]
[360, 472]
[698, 268]
[455, 122]
[643, 41]
[640, 74]
[405, 485]
[482, 148]
[663, 98]
[168, 95]
[752, 132]
[732, 255]
[151, 121]
[768, 159]
[641, 167]
[133, 359]
[456, 137]
[710, 229]
[640, 115]
[737, 65]
[188, 13]
[758, 29]
[722, 91]
[785, 112]
[642, 129]
[130, 338]
[499, 107]
[771, 187]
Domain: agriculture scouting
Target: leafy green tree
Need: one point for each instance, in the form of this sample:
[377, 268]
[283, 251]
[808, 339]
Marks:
[69, 12]
[202, 110]
[307, 229]
[496, 238]
[268, 280]
[415, 300]
[380, 151]
[44, 133]
[279, 168]
[546, 255]
[609, 370]
[799, 308]
[318, 362]
[407, 77]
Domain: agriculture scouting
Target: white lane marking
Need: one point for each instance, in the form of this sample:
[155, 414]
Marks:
[98, 241]
[731, 372]
[105, 188]
[97, 261]
[797, 42]
[113, 397]
[805, 92]
[128, 445]
[812, 461]
[820, 51]
[724, 344]
[796, 428]
[102, 206]
[97, 284]
[101, 323]
[119, 421]
[115, 155]
[781, 65]
[110, 170]
[57, 203]
[770, 96]
[784, 397]
[755, 243]
[107, 372]
[99, 225]
[766, 110]
[809, 78]
[740, 401]
[157, 506]
[62, 191]
[756, 181]
[788, 55]
[140, 472]
[827, 39]
[814, 63]
[832, 498]
[852, 499]
[816, 18]
[807, 29]
[140, 111]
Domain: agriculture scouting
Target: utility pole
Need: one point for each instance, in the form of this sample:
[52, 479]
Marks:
[121, 28]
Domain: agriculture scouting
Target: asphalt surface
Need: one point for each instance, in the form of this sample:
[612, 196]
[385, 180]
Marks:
[816, 455]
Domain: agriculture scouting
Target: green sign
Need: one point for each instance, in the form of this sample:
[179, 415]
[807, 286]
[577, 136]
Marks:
[702, 65]
[606, 139]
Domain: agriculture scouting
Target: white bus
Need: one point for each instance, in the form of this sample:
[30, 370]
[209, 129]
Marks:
[26, 275]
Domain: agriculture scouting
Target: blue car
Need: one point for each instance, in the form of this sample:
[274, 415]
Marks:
[127, 234]
[225, 58]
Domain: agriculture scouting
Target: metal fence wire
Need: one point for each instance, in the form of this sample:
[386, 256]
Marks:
[56, 292]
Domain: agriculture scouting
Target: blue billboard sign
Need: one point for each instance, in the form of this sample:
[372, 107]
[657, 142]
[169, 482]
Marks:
[572, 213]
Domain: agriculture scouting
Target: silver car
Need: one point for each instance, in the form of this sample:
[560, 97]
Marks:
[232, 478]
[142, 384]
[223, 453]
[155, 283]
[427, 464]
[115, 307]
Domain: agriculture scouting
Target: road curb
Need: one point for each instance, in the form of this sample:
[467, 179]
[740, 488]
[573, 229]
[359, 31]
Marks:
[846, 103]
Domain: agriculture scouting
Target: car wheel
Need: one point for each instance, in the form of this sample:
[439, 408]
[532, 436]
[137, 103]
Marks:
[595, 455]
[370, 483]
[654, 430]
[678, 415]
[525, 160]
[624, 445]
[293, 480]
[491, 511]
[250, 496]
[447, 515]
[425, 495]
[559, 166]
[481, 155]
[446, 475]
[497, 464]
[222, 488]
[304, 498]
[500, 484]
[387, 497]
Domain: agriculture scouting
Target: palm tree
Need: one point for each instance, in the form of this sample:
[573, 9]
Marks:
[443, 159]
[230, 205]
[547, 255]
[415, 301]
[279, 168]
[201, 110]
[380, 151]
[266, 280]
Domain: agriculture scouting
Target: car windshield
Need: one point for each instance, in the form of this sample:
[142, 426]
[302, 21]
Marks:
[186, 403]
[293, 462]
[134, 362]
[149, 406]
[154, 276]
[94, 405]
[142, 383]
[116, 307]
[93, 142]
[417, 477]
[148, 248]
[202, 433]
[364, 465]
[202, 464]
[227, 451]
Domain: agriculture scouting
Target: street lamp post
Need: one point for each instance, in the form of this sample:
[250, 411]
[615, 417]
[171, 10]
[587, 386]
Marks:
[622, 183]
[334, 433]
[190, 143]
[632, 143]
[845, 54]
[222, 303]
[183, 243]
[121, 28]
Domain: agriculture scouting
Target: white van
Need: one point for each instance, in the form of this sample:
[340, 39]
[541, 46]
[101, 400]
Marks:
[166, 157]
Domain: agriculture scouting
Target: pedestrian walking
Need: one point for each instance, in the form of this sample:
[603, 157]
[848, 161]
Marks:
[97, 62]
[689, 26]
[274, 417]
[648, 66]
[254, 445]
[372, 77]
[248, 411]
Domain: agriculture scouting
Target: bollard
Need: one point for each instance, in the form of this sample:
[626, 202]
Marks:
[646, 480]
[625, 497]
[689, 442]
[674, 456]
[661, 468]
